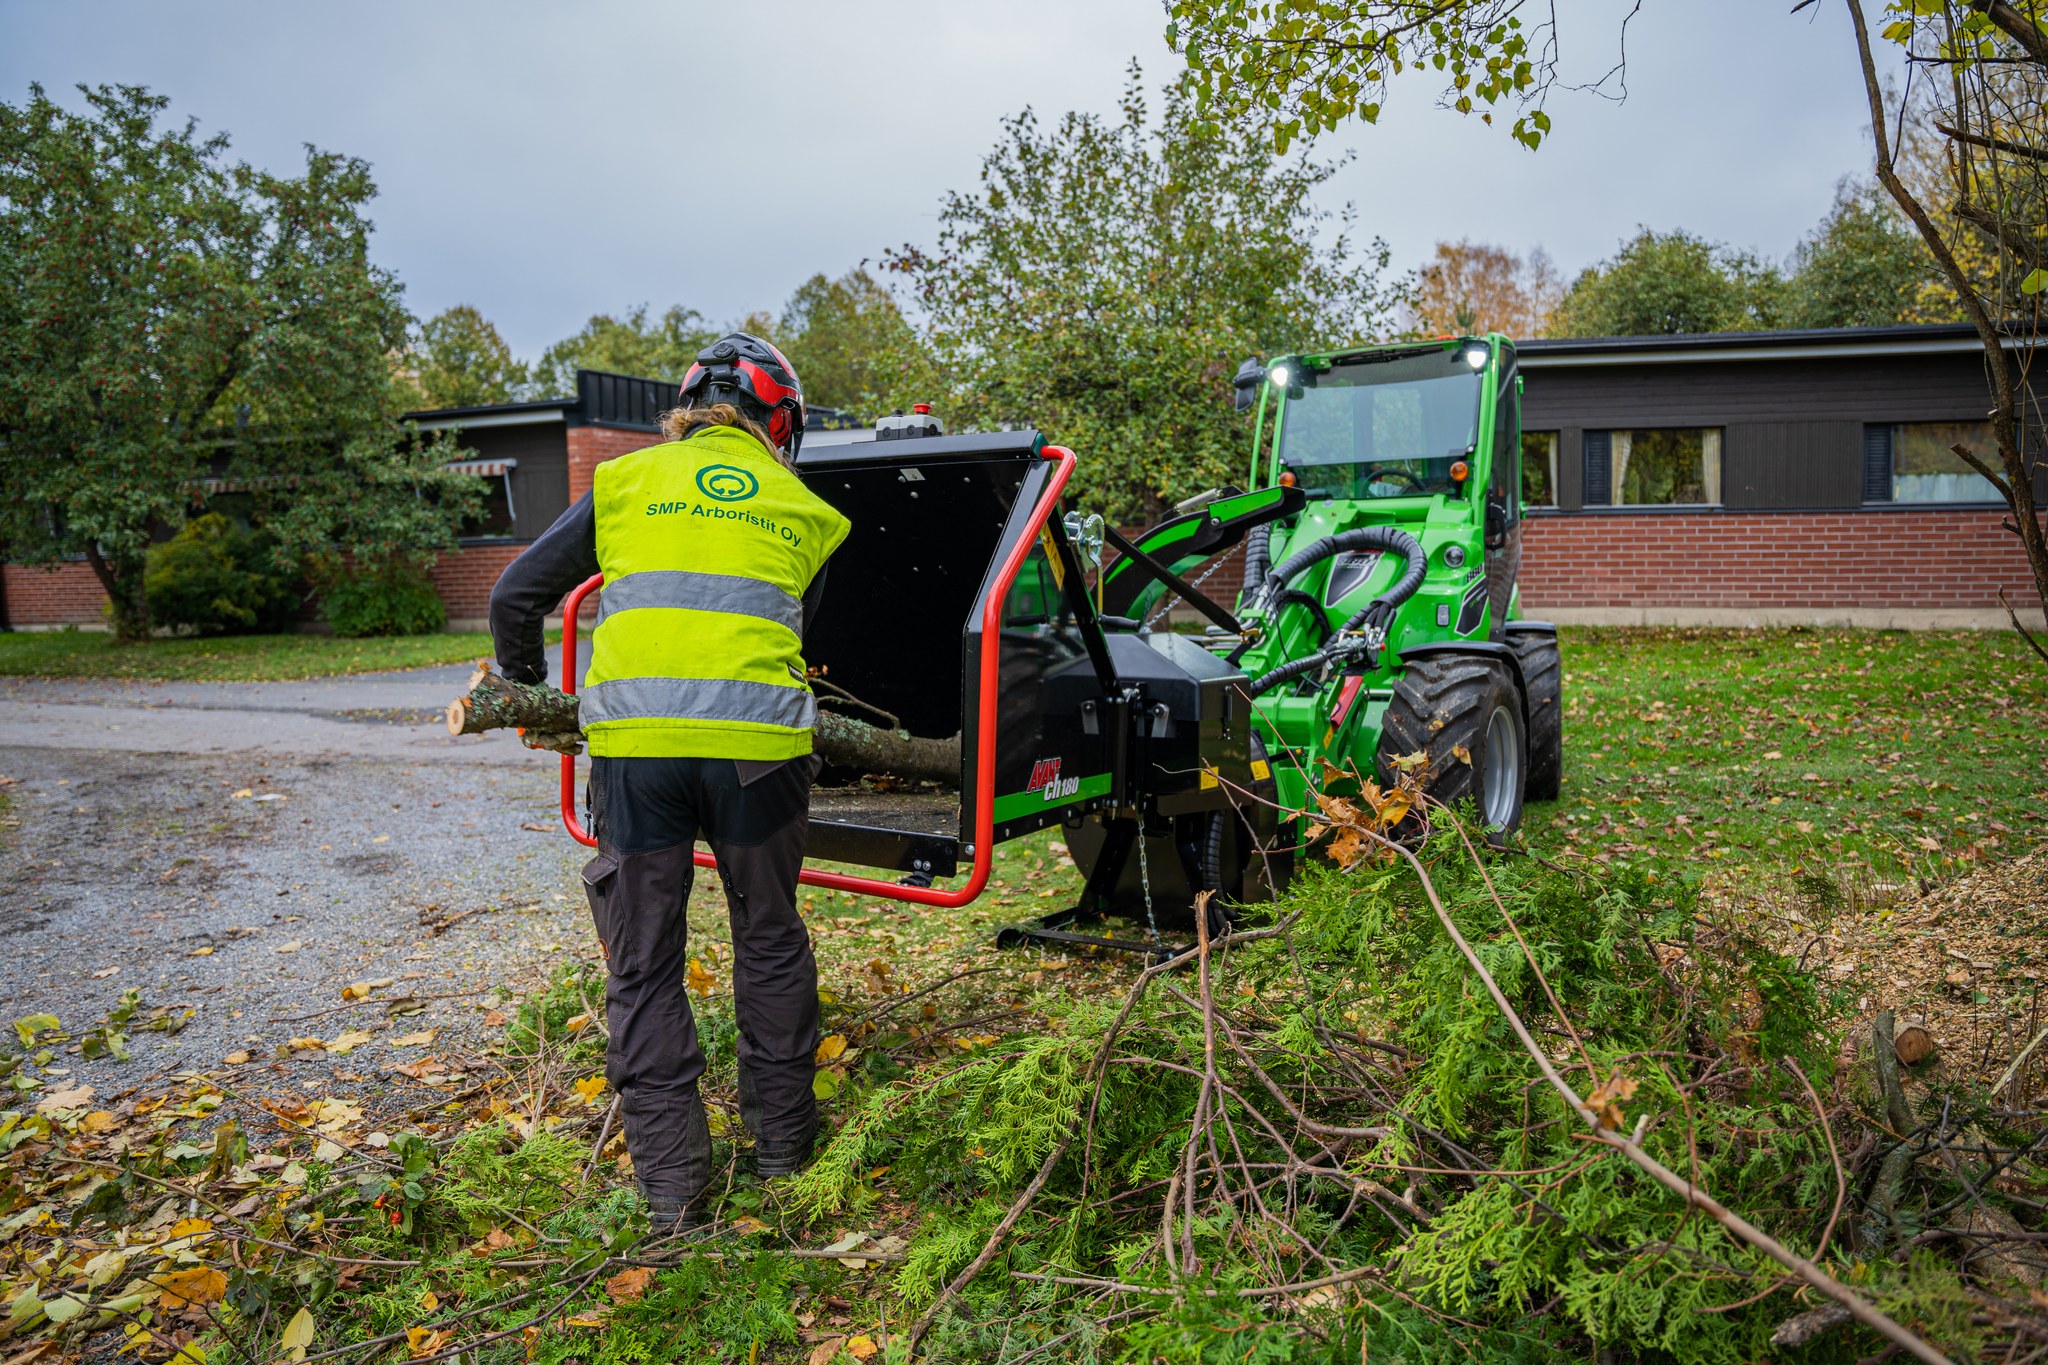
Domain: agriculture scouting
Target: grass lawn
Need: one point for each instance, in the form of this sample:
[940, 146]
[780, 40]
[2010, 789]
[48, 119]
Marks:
[1863, 756]
[229, 658]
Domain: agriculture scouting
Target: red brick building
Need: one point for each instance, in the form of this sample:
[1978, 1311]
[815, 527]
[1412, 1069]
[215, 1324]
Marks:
[1741, 479]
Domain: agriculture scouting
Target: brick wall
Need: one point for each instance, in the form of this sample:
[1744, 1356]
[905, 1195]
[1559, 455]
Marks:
[591, 446]
[62, 595]
[1911, 559]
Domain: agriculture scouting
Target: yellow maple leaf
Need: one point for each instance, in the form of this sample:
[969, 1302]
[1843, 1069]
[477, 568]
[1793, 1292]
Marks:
[1391, 810]
[861, 1347]
[589, 1088]
[100, 1121]
[701, 981]
[307, 1044]
[197, 1285]
[576, 1023]
[830, 1049]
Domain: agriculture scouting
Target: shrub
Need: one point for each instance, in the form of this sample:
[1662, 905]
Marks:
[215, 577]
[383, 603]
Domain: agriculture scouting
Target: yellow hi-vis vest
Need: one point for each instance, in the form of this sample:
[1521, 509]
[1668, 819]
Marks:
[706, 546]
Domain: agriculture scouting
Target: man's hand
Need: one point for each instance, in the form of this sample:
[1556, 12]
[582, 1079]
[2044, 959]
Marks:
[563, 742]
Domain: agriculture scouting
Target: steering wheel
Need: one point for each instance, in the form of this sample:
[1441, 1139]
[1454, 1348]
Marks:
[1391, 473]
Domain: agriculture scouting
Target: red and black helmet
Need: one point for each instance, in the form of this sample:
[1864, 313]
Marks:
[756, 378]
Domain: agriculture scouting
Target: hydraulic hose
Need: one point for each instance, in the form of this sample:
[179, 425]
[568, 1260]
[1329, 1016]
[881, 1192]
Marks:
[1377, 613]
[1387, 538]
[1258, 558]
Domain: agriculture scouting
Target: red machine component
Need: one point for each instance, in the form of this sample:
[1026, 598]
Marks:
[985, 729]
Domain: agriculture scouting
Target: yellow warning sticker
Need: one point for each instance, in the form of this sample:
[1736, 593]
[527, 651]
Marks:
[1209, 778]
[1261, 770]
[1052, 557]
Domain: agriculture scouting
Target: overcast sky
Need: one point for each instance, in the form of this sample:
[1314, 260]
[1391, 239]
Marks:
[548, 161]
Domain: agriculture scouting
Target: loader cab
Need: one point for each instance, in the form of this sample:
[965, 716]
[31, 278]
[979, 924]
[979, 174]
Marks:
[1391, 425]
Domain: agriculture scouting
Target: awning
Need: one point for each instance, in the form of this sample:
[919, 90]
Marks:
[489, 469]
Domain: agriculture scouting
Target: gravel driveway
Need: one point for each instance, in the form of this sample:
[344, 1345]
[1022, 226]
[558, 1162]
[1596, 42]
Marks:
[248, 849]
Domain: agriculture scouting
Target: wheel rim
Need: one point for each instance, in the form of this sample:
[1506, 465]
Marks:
[1501, 783]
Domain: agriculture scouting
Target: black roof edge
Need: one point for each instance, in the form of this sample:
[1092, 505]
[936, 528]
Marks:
[1837, 336]
[489, 409]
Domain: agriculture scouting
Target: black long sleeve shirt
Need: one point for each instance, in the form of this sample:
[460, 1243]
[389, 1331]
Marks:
[564, 556]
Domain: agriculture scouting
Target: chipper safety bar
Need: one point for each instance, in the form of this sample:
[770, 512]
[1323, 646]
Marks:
[960, 604]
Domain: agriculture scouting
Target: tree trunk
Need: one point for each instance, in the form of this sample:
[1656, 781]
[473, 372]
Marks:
[548, 719]
[121, 580]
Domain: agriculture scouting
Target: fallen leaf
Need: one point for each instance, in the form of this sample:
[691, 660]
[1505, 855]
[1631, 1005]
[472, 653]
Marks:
[298, 1334]
[421, 1039]
[100, 1121]
[536, 827]
[196, 1285]
[495, 1018]
[381, 839]
[206, 951]
[425, 1341]
[72, 1098]
[861, 1347]
[103, 973]
[576, 1023]
[826, 1351]
[630, 1284]
[329, 1151]
[246, 791]
[701, 981]
[829, 1049]
[589, 1088]
[291, 947]
[234, 1059]
[1462, 754]
[306, 1044]
[349, 1041]
[430, 1301]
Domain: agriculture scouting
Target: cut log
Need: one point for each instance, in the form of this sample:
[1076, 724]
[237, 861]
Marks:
[1912, 1041]
[845, 742]
[497, 703]
[547, 716]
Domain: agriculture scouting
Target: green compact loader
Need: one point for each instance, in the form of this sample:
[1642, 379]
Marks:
[1378, 615]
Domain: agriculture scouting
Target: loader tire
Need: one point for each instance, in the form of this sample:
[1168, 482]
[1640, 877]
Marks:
[1445, 703]
[1543, 683]
[1239, 861]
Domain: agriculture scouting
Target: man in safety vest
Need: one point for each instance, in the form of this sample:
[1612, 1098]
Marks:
[699, 722]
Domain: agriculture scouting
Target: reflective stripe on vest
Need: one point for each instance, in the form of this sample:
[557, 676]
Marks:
[699, 699]
[702, 592]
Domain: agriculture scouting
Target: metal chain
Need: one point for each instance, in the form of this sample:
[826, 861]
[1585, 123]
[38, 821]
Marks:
[1145, 880]
[1169, 598]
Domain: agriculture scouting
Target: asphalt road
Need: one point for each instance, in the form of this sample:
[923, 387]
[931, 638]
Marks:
[249, 849]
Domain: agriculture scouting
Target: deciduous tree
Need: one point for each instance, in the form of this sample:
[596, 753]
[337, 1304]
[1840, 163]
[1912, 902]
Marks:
[1470, 288]
[845, 337]
[459, 360]
[1106, 279]
[1662, 283]
[172, 319]
[657, 348]
[1863, 266]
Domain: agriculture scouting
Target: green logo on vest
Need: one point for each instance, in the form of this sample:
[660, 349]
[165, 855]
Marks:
[727, 483]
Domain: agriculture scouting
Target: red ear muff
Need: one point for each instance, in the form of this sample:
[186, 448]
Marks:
[778, 426]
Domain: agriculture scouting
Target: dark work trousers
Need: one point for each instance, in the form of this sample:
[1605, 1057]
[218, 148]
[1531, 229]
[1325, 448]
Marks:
[647, 813]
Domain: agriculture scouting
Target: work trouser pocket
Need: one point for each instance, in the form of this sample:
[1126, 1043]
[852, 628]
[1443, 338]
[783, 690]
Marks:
[636, 901]
[600, 874]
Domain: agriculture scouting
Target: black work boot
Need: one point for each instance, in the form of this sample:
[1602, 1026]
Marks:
[678, 1197]
[772, 1159]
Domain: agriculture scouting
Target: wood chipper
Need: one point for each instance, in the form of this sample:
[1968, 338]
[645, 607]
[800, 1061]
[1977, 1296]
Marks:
[1376, 631]
[963, 603]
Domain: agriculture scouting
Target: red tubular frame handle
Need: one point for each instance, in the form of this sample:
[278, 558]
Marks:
[985, 730]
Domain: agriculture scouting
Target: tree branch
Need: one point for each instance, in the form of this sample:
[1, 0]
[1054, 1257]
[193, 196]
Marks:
[2015, 26]
[1996, 144]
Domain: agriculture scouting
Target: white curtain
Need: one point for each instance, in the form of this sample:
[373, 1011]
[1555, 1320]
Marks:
[1618, 466]
[1710, 462]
